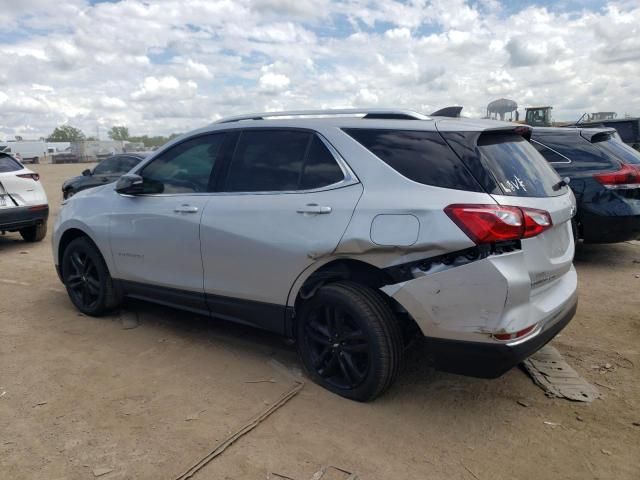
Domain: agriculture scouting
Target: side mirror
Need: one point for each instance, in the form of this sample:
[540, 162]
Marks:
[132, 184]
[86, 173]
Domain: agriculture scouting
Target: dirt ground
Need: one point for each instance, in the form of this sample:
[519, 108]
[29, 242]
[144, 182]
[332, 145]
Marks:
[83, 397]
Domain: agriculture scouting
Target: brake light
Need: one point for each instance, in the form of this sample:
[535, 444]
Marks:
[496, 223]
[32, 176]
[627, 177]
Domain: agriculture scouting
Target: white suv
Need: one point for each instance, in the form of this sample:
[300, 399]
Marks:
[23, 202]
[350, 231]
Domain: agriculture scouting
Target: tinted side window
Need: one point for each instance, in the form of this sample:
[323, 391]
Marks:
[186, 167]
[548, 154]
[127, 163]
[584, 156]
[8, 164]
[320, 168]
[107, 166]
[267, 161]
[421, 156]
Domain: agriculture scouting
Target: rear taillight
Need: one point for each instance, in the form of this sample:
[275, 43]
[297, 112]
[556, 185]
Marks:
[496, 223]
[32, 176]
[627, 177]
[515, 335]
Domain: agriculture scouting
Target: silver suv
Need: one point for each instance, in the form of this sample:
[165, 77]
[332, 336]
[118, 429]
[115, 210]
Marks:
[350, 231]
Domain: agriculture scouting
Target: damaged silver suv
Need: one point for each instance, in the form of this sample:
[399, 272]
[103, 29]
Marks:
[351, 231]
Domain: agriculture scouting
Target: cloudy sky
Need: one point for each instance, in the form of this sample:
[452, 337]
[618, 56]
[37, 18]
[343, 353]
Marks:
[161, 66]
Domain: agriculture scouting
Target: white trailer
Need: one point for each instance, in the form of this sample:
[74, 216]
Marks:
[25, 150]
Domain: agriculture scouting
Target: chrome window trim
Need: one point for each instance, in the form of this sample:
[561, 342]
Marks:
[349, 179]
[554, 151]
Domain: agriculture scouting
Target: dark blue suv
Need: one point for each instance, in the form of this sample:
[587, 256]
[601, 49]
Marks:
[605, 178]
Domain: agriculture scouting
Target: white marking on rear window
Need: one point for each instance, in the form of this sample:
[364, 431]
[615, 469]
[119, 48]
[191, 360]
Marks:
[512, 186]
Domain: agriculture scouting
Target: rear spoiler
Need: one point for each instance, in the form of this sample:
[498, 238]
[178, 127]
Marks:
[452, 112]
[595, 135]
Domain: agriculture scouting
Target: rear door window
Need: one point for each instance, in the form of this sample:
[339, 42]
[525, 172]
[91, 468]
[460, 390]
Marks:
[8, 164]
[320, 167]
[517, 166]
[421, 156]
[281, 160]
[585, 157]
[549, 154]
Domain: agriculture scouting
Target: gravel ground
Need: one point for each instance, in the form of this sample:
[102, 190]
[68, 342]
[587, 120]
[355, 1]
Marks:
[83, 397]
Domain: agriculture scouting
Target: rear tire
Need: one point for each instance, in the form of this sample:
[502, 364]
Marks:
[35, 233]
[87, 279]
[349, 341]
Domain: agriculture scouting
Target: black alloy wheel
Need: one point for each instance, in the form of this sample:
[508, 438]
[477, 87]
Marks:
[338, 346]
[86, 276]
[349, 340]
[83, 280]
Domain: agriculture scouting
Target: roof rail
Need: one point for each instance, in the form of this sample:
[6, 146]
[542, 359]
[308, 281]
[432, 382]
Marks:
[379, 113]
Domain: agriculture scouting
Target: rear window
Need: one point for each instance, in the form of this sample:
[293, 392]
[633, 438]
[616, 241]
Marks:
[423, 157]
[517, 166]
[620, 150]
[8, 164]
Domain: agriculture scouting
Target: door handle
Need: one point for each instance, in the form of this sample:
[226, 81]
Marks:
[186, 209]
[314, 209]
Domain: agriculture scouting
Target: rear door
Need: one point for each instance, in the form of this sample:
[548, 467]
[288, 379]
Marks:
[285, 202]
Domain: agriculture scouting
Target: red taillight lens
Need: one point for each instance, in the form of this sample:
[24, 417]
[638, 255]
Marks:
[496, 223]
[627, 177]
[32, 176]
[514, 335]
[535, 222]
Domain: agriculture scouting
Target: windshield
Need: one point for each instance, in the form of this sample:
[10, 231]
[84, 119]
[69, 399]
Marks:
[620, 150]
[517, 166]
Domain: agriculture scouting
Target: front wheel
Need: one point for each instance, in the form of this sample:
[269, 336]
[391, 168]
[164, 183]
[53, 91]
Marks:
[349, 341]
[35, 233]
[87, 279]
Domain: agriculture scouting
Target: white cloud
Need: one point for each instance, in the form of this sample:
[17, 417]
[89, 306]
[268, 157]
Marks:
[174, 65]
[273, 82]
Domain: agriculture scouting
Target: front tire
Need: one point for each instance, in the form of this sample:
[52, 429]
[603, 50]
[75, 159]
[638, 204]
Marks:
[349, 341]
[35, 233]
[87, 279]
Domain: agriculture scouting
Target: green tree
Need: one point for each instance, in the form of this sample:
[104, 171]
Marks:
[154, 142]
[66, 133]
[119, 133]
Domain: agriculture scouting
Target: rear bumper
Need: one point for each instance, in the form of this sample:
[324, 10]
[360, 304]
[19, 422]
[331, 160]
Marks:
[12, 219]
[609, 229]
[490, 360]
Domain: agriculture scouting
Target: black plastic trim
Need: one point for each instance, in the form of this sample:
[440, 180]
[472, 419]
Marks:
[266, 316]
[491, 360]
[15, 218]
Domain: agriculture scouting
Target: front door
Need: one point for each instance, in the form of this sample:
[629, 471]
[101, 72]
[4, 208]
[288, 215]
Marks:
[286, 202]
[155, 237]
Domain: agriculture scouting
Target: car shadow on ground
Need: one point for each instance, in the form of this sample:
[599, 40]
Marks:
[612, 254]
[11, 242]
[417, 382]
